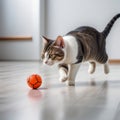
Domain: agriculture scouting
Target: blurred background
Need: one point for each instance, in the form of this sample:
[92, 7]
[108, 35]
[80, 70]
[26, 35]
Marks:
[22, 22]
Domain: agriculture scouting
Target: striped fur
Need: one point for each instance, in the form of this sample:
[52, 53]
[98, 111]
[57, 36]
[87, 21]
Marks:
[51, 53]
[109, 26]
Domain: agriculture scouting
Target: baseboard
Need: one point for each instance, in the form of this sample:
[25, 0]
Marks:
[114, 61]
[15, 38]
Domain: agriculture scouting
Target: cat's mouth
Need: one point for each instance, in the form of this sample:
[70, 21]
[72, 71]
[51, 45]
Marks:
[48, 63]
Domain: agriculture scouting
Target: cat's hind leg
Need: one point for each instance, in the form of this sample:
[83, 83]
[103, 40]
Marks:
[106, 68]
[92, 66]
[63, 71]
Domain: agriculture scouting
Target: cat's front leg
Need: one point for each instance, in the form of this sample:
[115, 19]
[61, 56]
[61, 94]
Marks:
[73, 69]
[63, 71]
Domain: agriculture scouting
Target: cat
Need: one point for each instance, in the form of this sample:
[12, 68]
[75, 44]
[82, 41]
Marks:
[80, 45]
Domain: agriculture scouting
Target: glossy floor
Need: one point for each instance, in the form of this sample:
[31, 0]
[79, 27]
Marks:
[95, 97]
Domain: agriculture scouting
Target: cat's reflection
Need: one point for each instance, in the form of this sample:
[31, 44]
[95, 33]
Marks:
[87, 104]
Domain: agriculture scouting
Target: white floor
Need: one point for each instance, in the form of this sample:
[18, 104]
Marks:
[95, 97]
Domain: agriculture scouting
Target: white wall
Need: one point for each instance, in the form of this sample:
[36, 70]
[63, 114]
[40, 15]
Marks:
[65, 15]
[20, 17]
[26, 17]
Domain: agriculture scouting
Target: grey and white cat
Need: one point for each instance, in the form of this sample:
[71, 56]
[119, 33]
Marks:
[80, 45]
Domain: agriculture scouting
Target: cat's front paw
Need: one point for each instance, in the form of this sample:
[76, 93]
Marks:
[70, 83]
[63, 79]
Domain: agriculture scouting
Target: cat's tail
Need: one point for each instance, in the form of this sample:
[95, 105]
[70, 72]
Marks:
[107, 29]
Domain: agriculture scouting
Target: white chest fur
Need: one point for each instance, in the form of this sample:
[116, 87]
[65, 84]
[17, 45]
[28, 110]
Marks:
[71, 49]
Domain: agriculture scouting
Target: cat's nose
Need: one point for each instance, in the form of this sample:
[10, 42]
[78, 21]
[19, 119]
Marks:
[46, 62]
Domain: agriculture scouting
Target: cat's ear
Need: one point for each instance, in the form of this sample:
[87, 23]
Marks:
[60, 42]
[44, 39]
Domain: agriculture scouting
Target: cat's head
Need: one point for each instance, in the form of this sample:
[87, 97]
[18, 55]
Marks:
[53, 51]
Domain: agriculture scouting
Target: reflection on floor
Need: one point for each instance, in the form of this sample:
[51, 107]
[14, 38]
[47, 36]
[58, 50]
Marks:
[95, 97]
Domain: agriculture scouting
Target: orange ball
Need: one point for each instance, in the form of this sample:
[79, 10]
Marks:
[34, 81]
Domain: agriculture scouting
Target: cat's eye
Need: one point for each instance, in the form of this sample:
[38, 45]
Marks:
[52, 56]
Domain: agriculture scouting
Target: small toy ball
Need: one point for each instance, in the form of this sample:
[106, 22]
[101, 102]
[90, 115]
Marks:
[34, 81]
